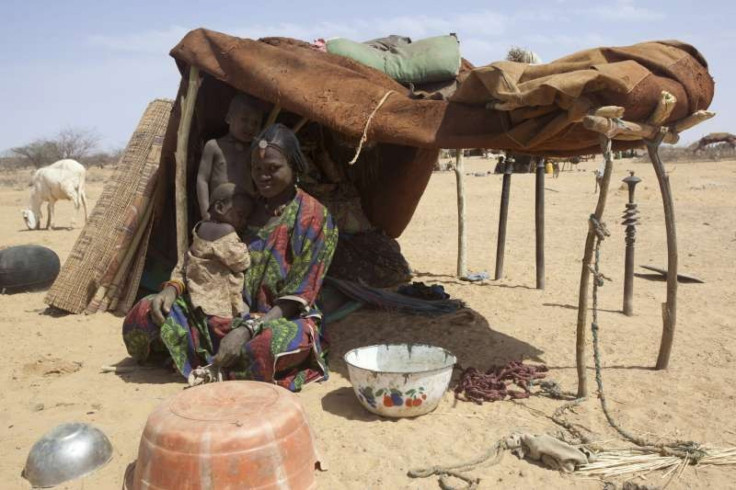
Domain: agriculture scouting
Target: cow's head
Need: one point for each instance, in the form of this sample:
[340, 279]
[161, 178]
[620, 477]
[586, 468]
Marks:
[33, 222]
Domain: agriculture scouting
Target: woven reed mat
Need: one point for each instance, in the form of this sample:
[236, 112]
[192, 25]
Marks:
[102, 243]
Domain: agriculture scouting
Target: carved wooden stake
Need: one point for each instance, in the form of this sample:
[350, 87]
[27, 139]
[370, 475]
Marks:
[669, 309]
[630, 221]
[585, 273]
[459, 176]
[503, 217]
[182, 143]
[539, 222]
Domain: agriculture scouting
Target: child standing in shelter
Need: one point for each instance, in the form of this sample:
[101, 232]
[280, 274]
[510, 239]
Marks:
[227, 159]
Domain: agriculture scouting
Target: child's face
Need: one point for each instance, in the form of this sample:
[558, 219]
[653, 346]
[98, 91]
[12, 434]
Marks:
[238, 212]
[245, 123]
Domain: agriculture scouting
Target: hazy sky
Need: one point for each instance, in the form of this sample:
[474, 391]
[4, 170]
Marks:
[95, 64]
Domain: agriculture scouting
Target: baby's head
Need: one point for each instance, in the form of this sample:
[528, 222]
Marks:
[230, 204]
[244, 117]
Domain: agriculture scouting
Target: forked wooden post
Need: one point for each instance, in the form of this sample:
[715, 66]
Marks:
[461, 248]
[669, 309]
[186, 103]
[585, 272]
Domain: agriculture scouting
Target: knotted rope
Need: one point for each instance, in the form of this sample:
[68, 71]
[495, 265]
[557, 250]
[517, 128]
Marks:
[688, 450]
[494, 454]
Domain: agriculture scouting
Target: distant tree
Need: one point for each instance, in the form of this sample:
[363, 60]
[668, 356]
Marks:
[69, 143]
[38, 153]
[103, 158]
[75, 143]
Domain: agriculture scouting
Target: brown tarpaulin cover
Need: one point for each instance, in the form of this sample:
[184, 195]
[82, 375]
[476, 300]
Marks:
[341, 93]
[535, 107]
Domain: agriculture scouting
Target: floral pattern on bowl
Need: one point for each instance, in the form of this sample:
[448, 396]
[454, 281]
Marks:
[400, 380]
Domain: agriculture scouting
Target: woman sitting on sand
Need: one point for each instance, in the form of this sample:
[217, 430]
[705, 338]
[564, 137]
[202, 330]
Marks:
[291, 238]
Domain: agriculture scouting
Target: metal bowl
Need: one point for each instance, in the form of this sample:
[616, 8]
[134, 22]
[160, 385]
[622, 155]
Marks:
[66, 452]
[400, 380]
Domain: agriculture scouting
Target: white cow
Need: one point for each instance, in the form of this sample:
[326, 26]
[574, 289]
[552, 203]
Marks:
[62, 180]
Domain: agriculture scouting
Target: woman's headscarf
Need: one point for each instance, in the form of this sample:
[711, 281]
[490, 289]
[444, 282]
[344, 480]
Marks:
[284, 140]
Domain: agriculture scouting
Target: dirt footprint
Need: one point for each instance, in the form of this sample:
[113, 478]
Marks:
[51, 366]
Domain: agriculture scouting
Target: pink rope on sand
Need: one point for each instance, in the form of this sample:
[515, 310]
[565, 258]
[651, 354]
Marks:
[494, 384]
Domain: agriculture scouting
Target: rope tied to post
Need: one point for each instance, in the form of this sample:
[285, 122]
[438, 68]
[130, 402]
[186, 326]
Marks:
[601, 232]
[690, 451]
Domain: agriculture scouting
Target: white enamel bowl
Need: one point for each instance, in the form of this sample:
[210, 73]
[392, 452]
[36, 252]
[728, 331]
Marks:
[400, 380]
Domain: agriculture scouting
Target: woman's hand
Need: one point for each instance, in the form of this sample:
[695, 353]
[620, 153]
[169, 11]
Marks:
[161, 304]
[230, 346]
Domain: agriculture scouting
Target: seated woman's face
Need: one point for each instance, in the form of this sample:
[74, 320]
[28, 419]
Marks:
[271, 173]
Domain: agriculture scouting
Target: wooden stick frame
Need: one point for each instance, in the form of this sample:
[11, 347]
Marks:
[186, 104]
[585, 272]
[607, 121]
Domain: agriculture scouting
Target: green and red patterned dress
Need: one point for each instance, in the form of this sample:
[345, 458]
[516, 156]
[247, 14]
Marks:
[289, 259]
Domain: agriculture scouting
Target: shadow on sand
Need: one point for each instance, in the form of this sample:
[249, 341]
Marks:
[157, 371]
[573, 307]
[450, 279]
[465, 333]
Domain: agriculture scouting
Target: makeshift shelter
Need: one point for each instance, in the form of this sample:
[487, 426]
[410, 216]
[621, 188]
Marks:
[531, 109]
[726, 139]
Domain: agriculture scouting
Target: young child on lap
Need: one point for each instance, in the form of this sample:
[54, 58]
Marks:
[215, 264]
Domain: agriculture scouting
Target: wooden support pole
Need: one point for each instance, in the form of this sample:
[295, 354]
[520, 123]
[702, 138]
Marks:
[539, 222]
[669, 309]
[299, 125]
[503, 218]
[186, 105]
[585, 272]
[461, 248]
[273, 115]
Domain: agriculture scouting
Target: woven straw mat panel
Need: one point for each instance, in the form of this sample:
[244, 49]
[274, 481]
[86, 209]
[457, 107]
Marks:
[95, 248]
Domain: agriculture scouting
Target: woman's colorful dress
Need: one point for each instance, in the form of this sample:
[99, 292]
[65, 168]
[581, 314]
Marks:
[289, 259]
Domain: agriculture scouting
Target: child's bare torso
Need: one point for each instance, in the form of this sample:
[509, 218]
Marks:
[231, 164]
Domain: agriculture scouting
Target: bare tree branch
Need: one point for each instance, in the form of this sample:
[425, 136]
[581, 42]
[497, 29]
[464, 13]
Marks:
[69, 143]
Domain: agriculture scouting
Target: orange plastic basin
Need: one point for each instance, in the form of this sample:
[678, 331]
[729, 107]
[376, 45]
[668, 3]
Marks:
[231, 435]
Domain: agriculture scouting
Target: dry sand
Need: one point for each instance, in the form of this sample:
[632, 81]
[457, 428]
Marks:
[51, 368]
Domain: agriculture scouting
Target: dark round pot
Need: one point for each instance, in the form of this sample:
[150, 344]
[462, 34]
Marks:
[27, 267]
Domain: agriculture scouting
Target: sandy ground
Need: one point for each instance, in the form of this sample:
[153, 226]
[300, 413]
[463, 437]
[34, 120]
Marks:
[51, 368]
